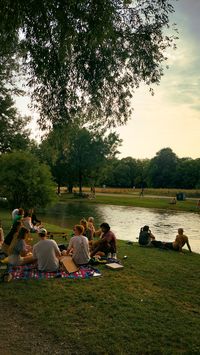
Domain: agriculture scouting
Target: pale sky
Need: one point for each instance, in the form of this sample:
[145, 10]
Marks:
[170, 118]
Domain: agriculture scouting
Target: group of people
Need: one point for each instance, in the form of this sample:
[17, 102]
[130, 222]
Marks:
[146, 238]
[86, 242]
[46, 253]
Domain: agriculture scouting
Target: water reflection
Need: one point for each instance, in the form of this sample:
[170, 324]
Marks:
[126, 221]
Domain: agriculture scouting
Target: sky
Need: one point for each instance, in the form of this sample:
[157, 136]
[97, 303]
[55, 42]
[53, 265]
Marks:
[170, 118]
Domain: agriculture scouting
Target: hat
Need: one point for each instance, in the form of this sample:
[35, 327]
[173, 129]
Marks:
[42, 231]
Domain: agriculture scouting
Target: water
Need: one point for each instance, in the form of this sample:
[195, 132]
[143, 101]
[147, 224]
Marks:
[126, 221]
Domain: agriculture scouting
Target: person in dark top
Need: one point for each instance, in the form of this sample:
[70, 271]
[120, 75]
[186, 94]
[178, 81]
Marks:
[34, 219]
[146, 238]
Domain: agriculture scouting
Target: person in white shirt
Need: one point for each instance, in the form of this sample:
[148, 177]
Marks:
[46, 252]
[79, 246]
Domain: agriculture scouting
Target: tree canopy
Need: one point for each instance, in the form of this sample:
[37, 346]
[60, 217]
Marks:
[85, 58]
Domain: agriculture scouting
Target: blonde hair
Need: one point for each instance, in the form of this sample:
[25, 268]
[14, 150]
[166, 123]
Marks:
[84, 223]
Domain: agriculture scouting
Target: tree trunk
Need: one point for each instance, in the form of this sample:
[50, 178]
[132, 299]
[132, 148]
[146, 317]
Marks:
[58, 190]
[80, 182]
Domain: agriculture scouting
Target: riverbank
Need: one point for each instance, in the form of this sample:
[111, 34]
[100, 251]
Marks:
[151, 306]
[189, 205]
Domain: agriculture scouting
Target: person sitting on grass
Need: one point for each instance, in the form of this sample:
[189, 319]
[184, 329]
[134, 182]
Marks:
[179, 242]
[91, 225]
[12, 235]
[78, 247]
[1, 235]
[147, 239]
[87, 232]
[46, 252]
[18, 216]
[19, 254]
[107, 242]
[27, 222]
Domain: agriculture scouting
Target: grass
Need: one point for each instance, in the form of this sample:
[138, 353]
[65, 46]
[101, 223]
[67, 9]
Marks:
[135, 201]
[152, 306]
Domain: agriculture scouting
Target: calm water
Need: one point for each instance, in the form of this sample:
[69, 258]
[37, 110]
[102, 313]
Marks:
[127, 221]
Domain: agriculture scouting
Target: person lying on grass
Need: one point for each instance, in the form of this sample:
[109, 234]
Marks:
[78, 247]
[179, 242]
[107, 243]
[46, 252]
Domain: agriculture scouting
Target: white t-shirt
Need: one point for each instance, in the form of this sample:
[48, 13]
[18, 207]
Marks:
[45, 253]
[80, 246]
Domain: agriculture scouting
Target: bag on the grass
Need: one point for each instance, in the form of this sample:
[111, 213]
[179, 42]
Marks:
[68, 264]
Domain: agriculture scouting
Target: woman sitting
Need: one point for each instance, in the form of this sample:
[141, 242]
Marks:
[19, 254]
[87, 232]
[27, 222]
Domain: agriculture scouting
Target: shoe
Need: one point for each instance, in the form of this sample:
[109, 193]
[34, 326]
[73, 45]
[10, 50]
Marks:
[109, 256]
[114, 256]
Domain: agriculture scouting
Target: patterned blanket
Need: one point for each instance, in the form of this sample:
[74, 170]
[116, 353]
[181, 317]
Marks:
[27, 272]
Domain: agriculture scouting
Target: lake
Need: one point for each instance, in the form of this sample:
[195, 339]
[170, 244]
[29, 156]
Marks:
[126, 221]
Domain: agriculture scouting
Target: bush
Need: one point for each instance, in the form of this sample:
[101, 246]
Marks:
[24, 181]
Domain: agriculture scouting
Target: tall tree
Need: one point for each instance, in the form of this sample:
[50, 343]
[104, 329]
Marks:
[88, 56]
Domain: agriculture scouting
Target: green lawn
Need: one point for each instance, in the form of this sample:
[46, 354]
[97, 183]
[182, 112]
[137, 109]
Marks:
[152, 306]
[132, 200]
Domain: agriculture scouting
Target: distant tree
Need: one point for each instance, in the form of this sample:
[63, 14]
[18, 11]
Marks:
[87, 57]
[76, 154]
[24, 181]
[188, 173]
[162, 169]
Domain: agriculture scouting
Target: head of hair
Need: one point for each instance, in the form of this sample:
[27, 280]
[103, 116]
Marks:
[105, 226]
[146, 228]
[79, 228]
[91, 219]
[26, 213]
[84, 223]
[20, 211]
[180, 230]
[22, 233]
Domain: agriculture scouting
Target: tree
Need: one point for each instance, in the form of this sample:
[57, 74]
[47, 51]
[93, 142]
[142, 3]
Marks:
[13, 132]
[76, 154]
[87, 57]
[162, 169]
[24, 181]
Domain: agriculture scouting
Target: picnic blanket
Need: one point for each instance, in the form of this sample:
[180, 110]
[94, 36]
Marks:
[26, 272]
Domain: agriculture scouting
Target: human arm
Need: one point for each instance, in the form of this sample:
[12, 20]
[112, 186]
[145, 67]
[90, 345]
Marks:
[188, 245]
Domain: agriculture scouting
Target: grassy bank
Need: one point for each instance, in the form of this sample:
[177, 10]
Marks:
[150, 307]
[135, 201]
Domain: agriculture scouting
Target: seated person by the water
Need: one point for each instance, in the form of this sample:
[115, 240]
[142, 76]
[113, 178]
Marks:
[17, 214]
[147, 239]
[19, 253]
[107, 243]
[145, 236]
[10, 237]
[27, 222]
[91, 225]
[87, 232]
[35, 221]
[1, 235]
[79, 247]
[179, 242]
[173, 201]
[46, 252]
